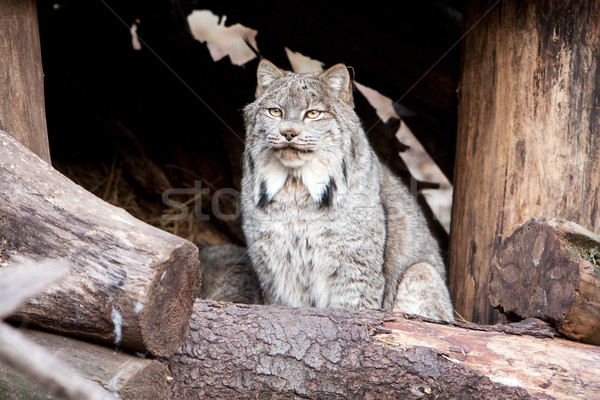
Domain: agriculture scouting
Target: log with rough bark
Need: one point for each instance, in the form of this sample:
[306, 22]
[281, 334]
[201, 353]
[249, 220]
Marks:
[528, 132]
[130, 284]
[249, 351]
[22, 111]
[128, 376]
[550, 269]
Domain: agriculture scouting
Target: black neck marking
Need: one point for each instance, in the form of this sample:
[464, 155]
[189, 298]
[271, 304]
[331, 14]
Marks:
[263, 198]
[327, 197]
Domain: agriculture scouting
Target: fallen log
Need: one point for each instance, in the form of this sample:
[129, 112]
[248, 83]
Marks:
[125, 375]
[250, 351]
[549, 269]
[130, 284]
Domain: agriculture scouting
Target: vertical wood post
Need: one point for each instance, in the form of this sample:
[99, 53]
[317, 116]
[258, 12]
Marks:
[22, 111]
[528, 132]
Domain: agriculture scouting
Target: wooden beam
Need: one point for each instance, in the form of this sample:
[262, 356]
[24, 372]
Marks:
[528, 132]
[22, 108]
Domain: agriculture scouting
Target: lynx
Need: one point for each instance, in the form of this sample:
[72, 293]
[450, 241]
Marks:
[326, 223]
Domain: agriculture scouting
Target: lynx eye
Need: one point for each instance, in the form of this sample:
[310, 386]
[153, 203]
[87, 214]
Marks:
[275, 112]
[312, 114]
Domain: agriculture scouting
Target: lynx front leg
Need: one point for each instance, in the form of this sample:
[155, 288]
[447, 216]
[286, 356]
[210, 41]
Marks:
[422, 291]
[358, 291]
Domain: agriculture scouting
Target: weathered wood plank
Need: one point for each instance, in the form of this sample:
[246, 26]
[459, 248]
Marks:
[547, 368]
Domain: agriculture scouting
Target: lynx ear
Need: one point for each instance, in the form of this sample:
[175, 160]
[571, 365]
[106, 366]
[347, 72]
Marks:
[266, 74]
[338, 79]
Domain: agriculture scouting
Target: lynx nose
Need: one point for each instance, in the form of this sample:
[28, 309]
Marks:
[289, 134]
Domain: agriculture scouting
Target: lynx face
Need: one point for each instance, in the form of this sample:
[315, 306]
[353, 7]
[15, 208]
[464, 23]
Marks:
[295, 127]
[294, 134]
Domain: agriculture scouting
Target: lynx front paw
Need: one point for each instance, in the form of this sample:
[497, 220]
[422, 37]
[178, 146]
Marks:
[422, 291]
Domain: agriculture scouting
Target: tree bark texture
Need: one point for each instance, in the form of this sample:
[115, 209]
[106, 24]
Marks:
[126, 375]
[528, 132]
[130, 284]
[249, 351]
[550, 269]
[22, 111]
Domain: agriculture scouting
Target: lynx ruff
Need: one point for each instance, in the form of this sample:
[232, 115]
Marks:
[327, 224]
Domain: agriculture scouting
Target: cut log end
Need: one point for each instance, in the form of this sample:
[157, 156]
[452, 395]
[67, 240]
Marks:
[171, 301]
[549, 269]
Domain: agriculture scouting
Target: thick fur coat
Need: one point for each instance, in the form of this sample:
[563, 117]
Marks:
[327, 224]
